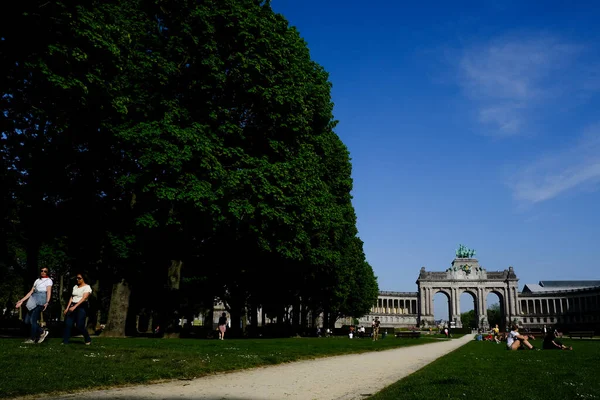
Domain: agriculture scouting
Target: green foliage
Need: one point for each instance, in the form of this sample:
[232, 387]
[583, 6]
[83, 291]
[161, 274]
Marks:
[494, 315]
[468, 319]
[136, 133]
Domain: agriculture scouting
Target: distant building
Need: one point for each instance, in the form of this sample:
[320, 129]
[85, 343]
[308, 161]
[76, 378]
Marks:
[569, 305]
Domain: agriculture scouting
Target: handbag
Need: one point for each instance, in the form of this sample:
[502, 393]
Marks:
[31, 303]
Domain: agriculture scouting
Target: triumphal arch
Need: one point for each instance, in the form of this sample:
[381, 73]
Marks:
[465, 275]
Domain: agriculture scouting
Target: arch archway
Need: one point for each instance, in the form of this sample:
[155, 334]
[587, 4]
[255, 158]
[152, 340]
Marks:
[442, 309]
[495, 309]
[467, 276]
[469, 313]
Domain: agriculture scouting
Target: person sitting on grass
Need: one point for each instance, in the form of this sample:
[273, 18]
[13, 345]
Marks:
[515, 340]
[496, 333]
[552, 343]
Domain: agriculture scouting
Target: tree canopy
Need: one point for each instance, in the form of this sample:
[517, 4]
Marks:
[172, 147]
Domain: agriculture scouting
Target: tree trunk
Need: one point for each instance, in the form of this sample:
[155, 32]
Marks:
[61, 298]
[175, 274]
[254, 315]
[149, 328]
[304, 317]
[314, 314]
[296, 316]
[173, 327]
[244, 321]
[117, 312]
[94, 305]
[326, 318]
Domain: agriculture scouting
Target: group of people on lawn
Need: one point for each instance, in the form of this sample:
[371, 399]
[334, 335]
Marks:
[515, 340]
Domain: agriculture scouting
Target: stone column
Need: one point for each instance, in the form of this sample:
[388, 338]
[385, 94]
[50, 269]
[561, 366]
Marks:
[456, 303]
[427, 300]
[431, 303]
[505, 295]
[484, 305]
[453, 305]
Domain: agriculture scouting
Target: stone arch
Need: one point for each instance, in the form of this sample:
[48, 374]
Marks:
[502, 301]
[448, 296]
[467, 276]
[476, 301]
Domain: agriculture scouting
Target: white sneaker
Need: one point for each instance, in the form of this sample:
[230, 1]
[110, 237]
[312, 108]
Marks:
[42, 336]
[29, 341]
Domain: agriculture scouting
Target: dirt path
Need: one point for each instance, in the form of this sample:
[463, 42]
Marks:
[346, 377]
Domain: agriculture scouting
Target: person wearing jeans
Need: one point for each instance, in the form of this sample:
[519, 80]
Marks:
[76, 311]
[38, 299]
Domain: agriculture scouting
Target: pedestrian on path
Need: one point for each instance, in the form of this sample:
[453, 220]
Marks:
[376, 324]
[38, 299]
[222, 326]
[77, 310]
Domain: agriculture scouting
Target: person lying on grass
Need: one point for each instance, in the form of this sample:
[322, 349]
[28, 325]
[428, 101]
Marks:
[515, 340]
[552, 343]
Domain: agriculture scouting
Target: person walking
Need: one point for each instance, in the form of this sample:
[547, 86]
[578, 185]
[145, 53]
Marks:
[222, 326]
[376, 324]
[38, 299]
[77, 310]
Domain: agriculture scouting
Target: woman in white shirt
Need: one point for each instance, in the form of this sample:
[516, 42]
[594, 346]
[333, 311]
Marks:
[38, 299]
[77, 309]
[514, 340]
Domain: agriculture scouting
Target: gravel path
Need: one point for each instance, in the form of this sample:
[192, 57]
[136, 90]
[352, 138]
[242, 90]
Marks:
[347, 377]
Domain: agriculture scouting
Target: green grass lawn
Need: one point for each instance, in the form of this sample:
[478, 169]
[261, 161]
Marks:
[484, 370]
[50, 367]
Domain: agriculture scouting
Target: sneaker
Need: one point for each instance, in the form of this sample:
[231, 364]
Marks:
[42, 336]
[88, 343]
[29, 341]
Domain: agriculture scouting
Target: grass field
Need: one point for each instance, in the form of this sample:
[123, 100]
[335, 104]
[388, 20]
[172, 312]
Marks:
[484, 370]
[50, 367]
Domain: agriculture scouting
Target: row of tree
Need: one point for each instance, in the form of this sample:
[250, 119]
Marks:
[178, 152]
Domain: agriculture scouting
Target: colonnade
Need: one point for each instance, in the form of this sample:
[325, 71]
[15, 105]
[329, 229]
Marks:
[395, 305]
[559, 306]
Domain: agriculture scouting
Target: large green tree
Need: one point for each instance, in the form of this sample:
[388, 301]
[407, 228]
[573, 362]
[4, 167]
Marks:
[179, 139]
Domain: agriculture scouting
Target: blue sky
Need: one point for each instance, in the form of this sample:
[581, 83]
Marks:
[477, 125]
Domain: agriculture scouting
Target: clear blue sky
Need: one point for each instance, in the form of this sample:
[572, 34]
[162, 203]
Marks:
[477, 125]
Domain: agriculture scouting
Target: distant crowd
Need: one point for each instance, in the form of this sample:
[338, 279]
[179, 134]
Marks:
[516, 340]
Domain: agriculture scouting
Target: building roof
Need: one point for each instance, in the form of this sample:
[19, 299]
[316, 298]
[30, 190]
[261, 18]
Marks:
[569, 284]
[557, 286]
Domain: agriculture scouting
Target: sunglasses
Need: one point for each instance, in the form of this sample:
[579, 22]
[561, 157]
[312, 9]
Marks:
[79, 278]
[44, 270]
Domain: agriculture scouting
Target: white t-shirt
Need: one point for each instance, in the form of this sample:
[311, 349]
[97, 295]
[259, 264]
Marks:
[79, 291]
[511, 338]
[41, 284]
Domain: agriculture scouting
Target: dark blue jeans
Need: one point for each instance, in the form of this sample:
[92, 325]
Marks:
[32, 317]
[78, 317]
